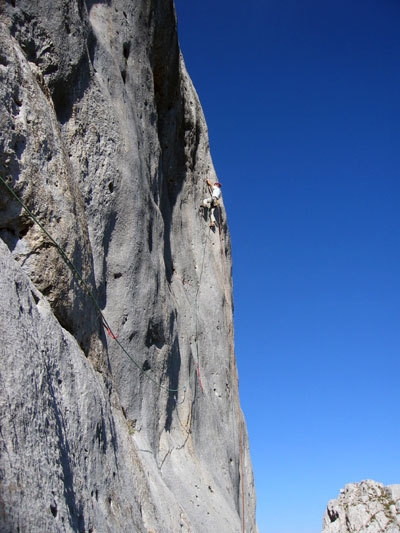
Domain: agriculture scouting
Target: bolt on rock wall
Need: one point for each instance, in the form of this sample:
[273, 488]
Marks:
[103, 138]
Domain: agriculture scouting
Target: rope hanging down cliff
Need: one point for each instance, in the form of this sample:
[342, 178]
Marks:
[211, 203]
[89, 292]
[196, 318]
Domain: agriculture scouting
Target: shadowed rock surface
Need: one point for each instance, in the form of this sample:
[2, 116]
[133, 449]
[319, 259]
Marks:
[103, 138]
[365, 507]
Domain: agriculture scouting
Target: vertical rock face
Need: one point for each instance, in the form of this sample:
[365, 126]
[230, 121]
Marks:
[103, 139]
[366, 507]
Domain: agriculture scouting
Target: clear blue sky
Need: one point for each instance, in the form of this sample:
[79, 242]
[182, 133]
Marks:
[302, 100]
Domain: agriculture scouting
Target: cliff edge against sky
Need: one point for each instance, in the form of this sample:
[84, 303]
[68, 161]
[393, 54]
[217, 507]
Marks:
[104, 142]
[365, 507]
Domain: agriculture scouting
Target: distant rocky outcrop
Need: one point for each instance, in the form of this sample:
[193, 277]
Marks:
[104, 141]
[366, 507]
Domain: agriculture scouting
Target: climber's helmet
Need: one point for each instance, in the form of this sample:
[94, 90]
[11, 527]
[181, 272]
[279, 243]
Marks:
[217, 184]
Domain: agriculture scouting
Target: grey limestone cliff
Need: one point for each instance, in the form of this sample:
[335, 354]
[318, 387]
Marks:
[104, 141]
[365, 507]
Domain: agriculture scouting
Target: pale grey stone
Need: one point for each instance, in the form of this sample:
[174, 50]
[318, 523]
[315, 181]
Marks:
[103, 137]
[365, 507]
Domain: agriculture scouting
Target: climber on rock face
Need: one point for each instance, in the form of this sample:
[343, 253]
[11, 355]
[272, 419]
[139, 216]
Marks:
[212, 201]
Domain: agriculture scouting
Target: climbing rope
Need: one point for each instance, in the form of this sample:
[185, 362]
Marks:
[196, 360]
[195, 352]
[196, 322]
[86, 287]
[110, 332]
[241, 471]
[206, 238]
[241, 438]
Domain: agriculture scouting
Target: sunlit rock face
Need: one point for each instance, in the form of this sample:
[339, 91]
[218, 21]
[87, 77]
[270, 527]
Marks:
[366, 507]
[103, 139]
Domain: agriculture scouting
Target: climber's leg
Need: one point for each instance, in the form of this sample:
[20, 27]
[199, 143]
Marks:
[212, 217]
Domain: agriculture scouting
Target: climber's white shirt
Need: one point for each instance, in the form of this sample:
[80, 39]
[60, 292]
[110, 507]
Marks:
[216, 192]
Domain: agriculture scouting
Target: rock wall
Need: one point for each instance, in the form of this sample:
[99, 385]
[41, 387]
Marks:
[366, 507]
[103, 139]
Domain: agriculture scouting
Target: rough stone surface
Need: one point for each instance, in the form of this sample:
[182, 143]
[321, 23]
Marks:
[103, 138]
[366, 507]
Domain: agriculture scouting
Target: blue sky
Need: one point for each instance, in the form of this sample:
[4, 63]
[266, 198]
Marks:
[302, 101]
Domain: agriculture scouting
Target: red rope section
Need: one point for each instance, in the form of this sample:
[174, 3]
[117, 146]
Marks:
[199, 376]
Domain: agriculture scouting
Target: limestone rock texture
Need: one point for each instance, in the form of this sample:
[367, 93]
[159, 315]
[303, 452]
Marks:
[365, 507]
[104, 142]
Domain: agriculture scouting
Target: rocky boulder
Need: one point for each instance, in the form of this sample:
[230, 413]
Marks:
[366, 507]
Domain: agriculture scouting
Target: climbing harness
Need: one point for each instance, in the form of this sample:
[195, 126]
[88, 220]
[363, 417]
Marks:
[86, 287]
